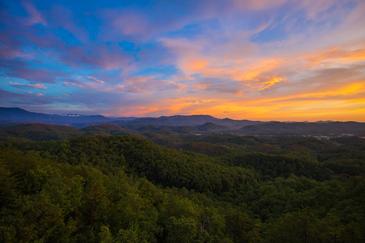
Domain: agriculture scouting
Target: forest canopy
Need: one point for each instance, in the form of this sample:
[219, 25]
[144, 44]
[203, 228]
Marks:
[128, 188]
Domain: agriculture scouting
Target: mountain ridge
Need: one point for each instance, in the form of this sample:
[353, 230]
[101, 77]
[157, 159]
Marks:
[190, 124]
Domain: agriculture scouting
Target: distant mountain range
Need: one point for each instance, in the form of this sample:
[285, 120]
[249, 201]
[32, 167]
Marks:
[18, 115]
[191, 120]
[191, 124]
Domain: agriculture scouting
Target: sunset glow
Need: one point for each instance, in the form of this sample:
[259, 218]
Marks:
[261, 60]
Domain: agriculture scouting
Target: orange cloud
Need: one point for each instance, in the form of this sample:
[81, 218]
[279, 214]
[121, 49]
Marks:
[345, 102]
[194, 65]
[271, 82]
[257, 69]
[337, 55]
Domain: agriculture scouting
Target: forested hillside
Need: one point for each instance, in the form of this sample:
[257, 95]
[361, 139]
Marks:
[80, 186]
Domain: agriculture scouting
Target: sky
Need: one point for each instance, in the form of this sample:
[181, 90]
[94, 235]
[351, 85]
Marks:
[287, 60]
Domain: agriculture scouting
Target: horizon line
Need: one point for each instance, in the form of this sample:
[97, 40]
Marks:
[183, 115]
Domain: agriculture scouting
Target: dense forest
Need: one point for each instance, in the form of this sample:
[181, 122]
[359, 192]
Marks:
[103, 184]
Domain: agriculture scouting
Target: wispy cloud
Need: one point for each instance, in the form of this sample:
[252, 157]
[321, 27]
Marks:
[27, 85]
[35, 17]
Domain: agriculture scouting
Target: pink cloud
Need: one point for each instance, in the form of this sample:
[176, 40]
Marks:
[31, 85]
[63, 17]
[148, 84]
[35, 17]
[131, 23]
[36, 75]
[257, 4]
[88, 82]
[315, 7]
[106, 57]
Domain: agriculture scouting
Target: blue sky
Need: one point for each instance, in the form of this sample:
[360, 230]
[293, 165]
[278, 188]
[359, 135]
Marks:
[245, 59]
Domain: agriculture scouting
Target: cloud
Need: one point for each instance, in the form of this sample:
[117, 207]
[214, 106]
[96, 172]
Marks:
[130, 23]
[257, 4]
[337, 56]
[217, 86]
[31, 85]
[340, 102]
[246, 70]
[314, 8]
[100, 56]
[271, 82]
[35, 17]
[61, 17]
[12, 99]
[163, 17]
[89, 82]
[148, 84]
[20, 69]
